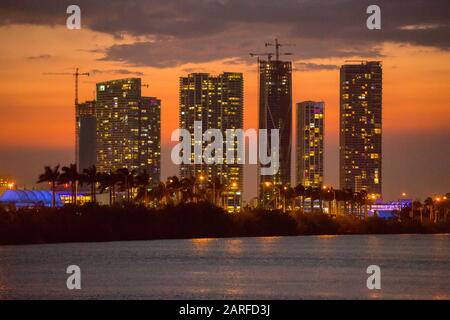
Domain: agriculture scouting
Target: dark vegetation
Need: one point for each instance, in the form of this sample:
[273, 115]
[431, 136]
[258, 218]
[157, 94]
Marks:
[92, 222]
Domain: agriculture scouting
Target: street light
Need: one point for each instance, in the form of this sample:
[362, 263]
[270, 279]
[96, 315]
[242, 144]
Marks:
[234, 186]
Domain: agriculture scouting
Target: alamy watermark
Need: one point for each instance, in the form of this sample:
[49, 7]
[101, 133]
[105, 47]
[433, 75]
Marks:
[374, 280]
[213, 152]
[374, 20]
[74, 280]
[74, 20]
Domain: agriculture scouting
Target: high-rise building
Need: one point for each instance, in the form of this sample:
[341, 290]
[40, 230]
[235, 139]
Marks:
[85, 135]
[275, 112]
[360, 127]
[310, 141]
[128, 128]
[150, 137]
[218, 102]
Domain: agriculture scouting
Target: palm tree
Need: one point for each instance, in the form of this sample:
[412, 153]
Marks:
[341, 196]
[429, 204]
[51, 176]
[127, 181]
[290, 195]
[158, 193]
[219, 188]
[300, 192]
[361, 200]
[91, 177]
[108, 181]
[173, 186]
[142, 182]
[328, 194]
[309, 194]
[71, 176]
[316, 194]
[187, 190]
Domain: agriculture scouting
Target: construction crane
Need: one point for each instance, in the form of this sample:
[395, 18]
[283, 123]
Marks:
[266, 54]
[76, 75]
[277, 46]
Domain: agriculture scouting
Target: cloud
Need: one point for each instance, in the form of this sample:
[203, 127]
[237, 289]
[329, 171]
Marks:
[309, 66]
[414, 27]
[173, 33]
[40, 57]
[117, 71]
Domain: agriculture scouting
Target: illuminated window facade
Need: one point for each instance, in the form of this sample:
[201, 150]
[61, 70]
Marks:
[85, 135]
[218, 102]
[128, 128]
[150, 137]
[361, 126]
[310, 143]
[6, 183]
[275, 112]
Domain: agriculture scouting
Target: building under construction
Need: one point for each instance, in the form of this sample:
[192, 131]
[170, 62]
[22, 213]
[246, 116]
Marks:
[275, 112]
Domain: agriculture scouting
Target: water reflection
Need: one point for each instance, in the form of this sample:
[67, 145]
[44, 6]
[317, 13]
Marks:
[233, 246]
[267, 244]
[329, 267]
[202, 245]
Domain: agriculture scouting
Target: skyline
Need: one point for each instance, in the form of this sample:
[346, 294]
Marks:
[33, 112]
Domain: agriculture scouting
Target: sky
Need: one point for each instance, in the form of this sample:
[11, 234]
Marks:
[162, 40]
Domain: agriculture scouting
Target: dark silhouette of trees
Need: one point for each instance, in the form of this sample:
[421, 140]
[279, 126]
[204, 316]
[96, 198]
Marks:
[126, 181]
[91, 177]
[300, 192]
[108, 181]
[128, 221]
[51, 176]
[142, 182]
[70, 175]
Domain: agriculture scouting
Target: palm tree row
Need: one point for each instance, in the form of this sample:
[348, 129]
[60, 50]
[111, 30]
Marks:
[136, 186]
[121, 179]
[351, 202]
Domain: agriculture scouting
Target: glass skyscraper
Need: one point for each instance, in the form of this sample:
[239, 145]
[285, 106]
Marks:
[85, 135]
[128, 128]
[361, 127]
[310, 143]
[275, 112]
[218, 102]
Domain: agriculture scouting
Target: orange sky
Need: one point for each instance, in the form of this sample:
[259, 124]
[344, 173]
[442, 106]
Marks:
[37, 110]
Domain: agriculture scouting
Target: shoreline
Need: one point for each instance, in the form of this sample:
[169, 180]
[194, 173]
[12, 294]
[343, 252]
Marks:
[93, 223]
[227, 238]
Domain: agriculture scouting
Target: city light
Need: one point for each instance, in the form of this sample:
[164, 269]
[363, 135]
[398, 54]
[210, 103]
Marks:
[267, 184]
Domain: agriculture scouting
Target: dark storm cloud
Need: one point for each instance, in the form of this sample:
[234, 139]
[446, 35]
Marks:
[172, 33]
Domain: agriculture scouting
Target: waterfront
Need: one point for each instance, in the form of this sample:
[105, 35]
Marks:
[305, 267]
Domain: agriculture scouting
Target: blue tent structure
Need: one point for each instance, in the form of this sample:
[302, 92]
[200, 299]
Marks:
[29, 198]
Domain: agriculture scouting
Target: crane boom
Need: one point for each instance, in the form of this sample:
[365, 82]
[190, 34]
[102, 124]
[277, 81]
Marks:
[76, 75]
[277, 46]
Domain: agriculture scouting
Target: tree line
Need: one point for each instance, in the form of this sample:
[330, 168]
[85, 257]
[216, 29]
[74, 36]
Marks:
[139, 189]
